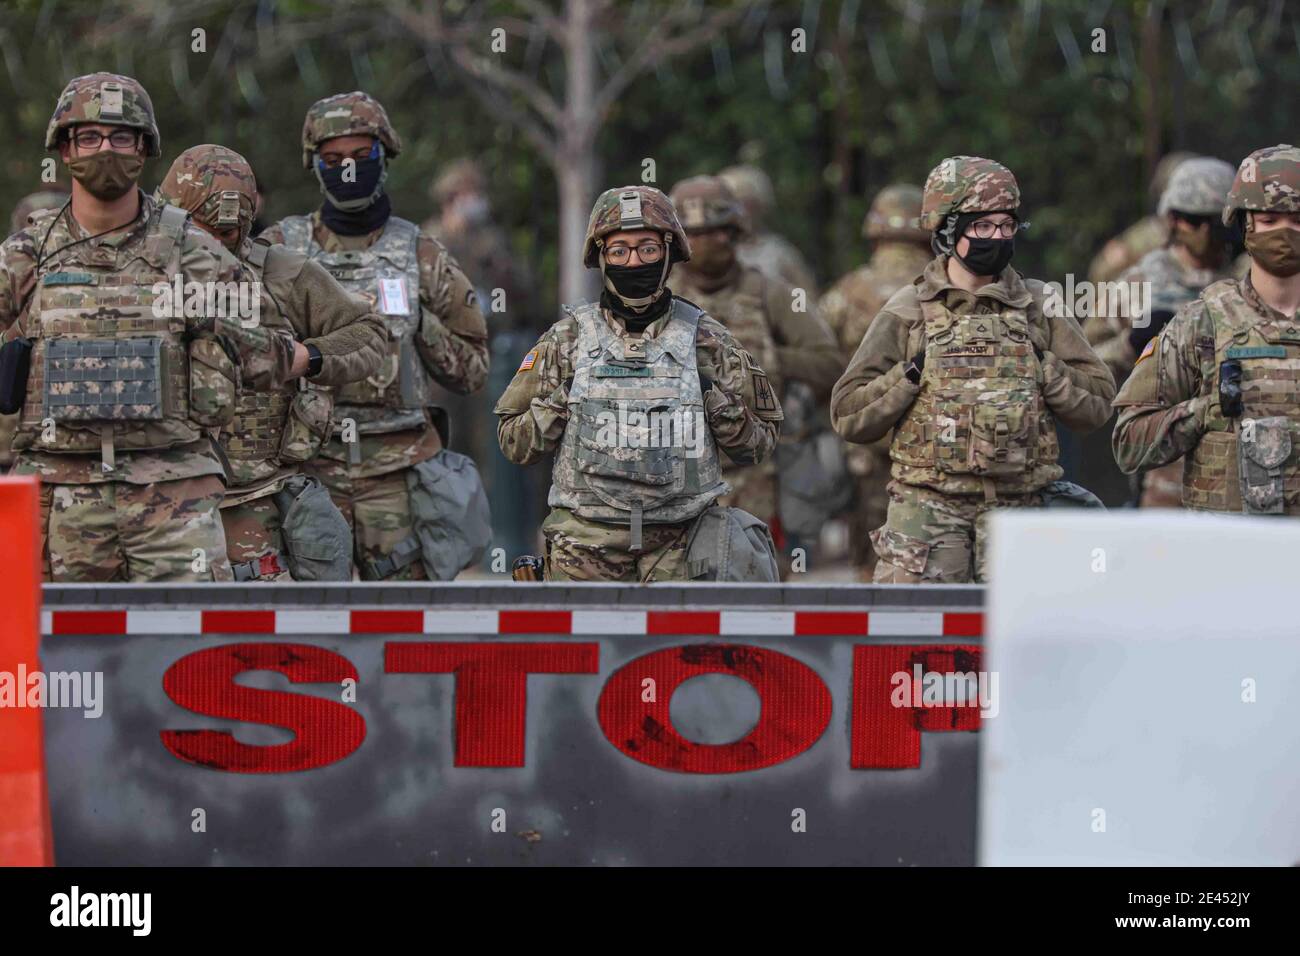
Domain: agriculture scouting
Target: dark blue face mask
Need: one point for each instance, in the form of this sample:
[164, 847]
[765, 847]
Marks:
[362, 187]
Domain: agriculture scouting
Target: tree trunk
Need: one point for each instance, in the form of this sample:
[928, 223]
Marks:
[577, 175]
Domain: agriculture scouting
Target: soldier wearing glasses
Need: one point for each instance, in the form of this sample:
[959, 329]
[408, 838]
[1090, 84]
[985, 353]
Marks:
[638, 392]
[973, 372]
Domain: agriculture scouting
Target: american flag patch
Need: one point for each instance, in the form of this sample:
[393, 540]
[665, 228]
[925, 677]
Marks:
[1149, 350]
[528, 361]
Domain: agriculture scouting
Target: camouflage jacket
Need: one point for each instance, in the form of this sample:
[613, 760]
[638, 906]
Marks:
[777, 258]
[452, 331]
[1173, 284]
[1171, 400]
[352, 341]
[853, 301]
[759, 313]
[873, 395]
[741, 408]
[1127, 249]
[265, 353]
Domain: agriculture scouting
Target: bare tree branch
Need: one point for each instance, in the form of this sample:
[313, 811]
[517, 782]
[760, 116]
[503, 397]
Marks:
[660, 44]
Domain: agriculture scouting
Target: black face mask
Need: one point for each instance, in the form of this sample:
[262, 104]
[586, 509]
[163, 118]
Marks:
[635, 282]
[363, 191]
[988, 257]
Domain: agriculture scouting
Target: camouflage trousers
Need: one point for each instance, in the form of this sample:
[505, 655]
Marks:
[253, 540]
[870, 506]
[1163, 487]
[8, 425]
[378, 510]
[117, 531]
[582, 550]
[932, 538]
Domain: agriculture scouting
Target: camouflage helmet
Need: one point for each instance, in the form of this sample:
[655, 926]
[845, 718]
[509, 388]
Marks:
[461, 176]
[706, 202]
[107, 98]
[46, 199]
[1198, 187]
[1164, 171]
[895, 213]
[347, 114]
[1268, 180]
[633, 207]
[967, 184]
[751, 186]
[215, 185]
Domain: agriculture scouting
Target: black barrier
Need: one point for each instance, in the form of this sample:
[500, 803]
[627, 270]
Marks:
[488, 723]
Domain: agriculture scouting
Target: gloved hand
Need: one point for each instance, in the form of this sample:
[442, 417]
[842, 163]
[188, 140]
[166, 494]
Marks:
[1138, 338]
[915, 367]
[706, 383]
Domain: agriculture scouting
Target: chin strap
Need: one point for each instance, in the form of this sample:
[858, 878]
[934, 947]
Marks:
[647, 300]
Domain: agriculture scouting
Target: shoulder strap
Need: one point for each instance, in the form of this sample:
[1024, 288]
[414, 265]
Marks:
[297, 233]
[172, 221]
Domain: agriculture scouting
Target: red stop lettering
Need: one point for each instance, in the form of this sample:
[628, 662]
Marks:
[491, 689]
[325, 730]
[796, 707]
[888, 736]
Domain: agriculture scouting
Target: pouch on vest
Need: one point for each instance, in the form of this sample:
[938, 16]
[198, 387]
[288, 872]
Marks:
[628, 448]
[728, 544]
[15, 364]
[813, 482]
[317, 539]
[1260, 465]
[449, 514]
[213, 383]
[307, 426]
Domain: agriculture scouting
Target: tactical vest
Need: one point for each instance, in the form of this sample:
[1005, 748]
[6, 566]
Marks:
[271, 430]
[396, 396]
[109, 373]
[742, 310]
[637, 447]
[979, 424]
[1251, 463]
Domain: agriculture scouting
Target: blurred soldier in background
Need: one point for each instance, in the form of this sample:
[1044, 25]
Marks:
[761, 248]
[503, 283]
[280, 525]
[34, 202]
[900, 251]
[779, 329]
[388, 466]
[1221, 383]
[639, 393]
[1200, 250]
[974, 371]
[130, 477]
[1145, 235]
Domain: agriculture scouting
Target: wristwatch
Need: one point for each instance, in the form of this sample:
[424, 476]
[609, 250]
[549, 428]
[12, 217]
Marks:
[314, 361]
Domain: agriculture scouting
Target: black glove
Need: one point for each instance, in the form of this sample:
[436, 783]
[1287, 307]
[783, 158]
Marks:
[1230, 388]
[1038, 353]
[915, 367]
[1138, 338]
[706, 383]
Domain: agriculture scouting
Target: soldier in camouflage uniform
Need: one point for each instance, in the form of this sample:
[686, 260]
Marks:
[436, 331]
[131, 479]
[339, 340]
[1221, 383]
[638, 393]
[761, 248]
[975, 373]
[1146, 235]
[900, 251]
[34, 202]
[760, 314]
[1199, 251]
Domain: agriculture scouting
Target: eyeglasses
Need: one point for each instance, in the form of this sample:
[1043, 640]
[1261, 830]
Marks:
[93, 138]
[987, 229]
[647, 252]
